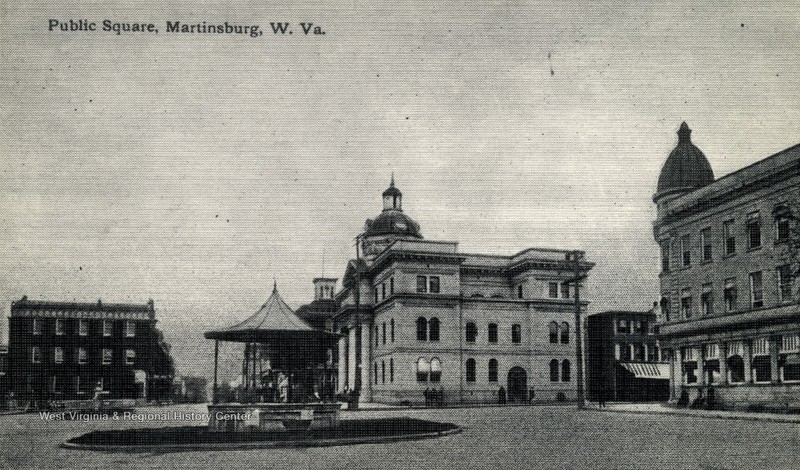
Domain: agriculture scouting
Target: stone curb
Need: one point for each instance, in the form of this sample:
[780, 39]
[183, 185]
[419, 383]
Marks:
[454, 407]
[755, 417]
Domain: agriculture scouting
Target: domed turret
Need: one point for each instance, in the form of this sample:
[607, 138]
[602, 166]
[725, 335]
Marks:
[392, 221]
[686, 168]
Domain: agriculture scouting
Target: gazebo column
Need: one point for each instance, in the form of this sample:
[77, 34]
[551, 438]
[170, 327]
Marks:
[342, 365]
[351, 358]
[366, 363]
[215, 392]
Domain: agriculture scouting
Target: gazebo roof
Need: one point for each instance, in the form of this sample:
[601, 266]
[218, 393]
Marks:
[275, 320]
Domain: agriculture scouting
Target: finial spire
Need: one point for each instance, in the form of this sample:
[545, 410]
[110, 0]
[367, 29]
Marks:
[391, 184]
[274, 285]
[684, 133]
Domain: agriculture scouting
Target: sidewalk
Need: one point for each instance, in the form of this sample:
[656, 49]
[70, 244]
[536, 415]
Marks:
[659, 408]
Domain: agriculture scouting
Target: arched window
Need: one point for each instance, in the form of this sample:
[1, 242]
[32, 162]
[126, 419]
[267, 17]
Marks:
[433, 329]
[422, 329]
[383, 372]
[554, 370]
[565, 371]
[553, 332]
[516, 333]
[492, 370]
[565, 333]
[423, 369]
[470, 372]
[492, 332]
[391, 369]
[391, 324]
[471, 332]
[376, 373]
[436, 370]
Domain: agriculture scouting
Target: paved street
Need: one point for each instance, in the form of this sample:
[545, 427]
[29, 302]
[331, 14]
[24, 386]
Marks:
[511, 437]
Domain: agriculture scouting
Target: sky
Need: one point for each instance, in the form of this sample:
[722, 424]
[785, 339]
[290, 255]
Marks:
[195, 169]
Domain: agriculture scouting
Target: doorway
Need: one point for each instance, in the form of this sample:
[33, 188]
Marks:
[517, 385]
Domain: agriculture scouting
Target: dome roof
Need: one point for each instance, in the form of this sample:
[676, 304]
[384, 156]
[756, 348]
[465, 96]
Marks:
[686, 167]
[392, 222]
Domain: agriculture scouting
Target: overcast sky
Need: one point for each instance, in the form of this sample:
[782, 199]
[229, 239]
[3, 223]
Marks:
[194, 169]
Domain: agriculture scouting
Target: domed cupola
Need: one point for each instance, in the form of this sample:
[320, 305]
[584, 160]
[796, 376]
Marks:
[686, 168]
[392, 221]
[392, 197]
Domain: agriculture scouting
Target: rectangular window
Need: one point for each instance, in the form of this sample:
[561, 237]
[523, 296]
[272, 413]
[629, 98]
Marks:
[391, 286]
[433, 283]
[107, 356]
[106, 327]
[376, 294]
[730, 294]
[492, 332]
[59, 326]
[711, 363]
[564, 290]
[383, 328]
[36, 326]
[553, 290]
[686, 303]
[623, 326]
[665, 253]
[422, 284]
[471, 332]
[652, 353]
[707, 300]
[690, 358]
[686, 251]
[383, 291]
[130, 357]
[789, 358]
[666, 306]
[753, 230]
[756, 290]
[519, 291]
[617, 351]
[58, 355]
[130, 329]
[762, 364]
[36, 355]
[516, 333]
[729, 237]
[784, 275]
[705, 242]
[82, 356]
[83, 327]
[782, 223]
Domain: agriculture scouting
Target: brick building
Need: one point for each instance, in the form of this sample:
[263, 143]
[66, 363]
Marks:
[418, 314]
[62, 350]
[729, 315]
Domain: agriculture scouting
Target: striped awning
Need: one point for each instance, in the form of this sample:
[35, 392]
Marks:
[647, 370]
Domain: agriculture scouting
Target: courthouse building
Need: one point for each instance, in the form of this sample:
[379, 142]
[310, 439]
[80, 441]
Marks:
[63, 350]
[419, 315]
[729, 315]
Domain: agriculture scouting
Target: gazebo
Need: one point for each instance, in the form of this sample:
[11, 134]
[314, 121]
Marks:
[287, 372]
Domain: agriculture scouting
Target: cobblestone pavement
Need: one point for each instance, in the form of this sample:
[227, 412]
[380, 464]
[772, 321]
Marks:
[506, 437]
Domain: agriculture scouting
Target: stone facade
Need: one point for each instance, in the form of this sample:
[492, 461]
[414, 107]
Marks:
[729, 315]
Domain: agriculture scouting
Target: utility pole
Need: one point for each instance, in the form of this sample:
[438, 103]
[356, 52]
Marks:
[576, 258]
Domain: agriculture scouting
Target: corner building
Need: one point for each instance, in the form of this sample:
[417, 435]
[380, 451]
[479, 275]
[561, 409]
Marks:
[418, 315]
[729, 313]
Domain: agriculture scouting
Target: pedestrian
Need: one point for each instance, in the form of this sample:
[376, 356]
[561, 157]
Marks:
[601, 398]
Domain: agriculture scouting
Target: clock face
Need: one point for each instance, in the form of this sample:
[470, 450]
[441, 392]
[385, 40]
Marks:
[400, 225]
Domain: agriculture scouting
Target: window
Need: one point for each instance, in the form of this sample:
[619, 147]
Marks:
[762, 365]
[623, 326]
[383, 372]
[730, 294]
[107, 356]
[565, 333]
[433, 329]
[36, 355]
[784, 276]
[707, 300]
[492, 329]
[565, 290]
[553, 290]
[83, 327]
[36, 326]
[729, 237]
[470, 370]
[782, 223]
[106, 328]
[375, 373]
[686, 251]
[705, 243]
[422, 284]
[391, 286]
[519, 291]
[665, 255]
[735, 362]
[383, 332]
[82, 356]
[516, 333]
[423, 369]
[391, 369]
[686, 303]
[58, 355]
[433, 283]
[756, 290]
[383, 290]
[59, 326]
[665, 307]
[565, 371]
[436, 370]
[130, 329]
[130, 357]
[753, 230]
[652, 353]
[711, 363]
[422, 329]
[471, 332]
[391, 323]
[789, 358]
[492, 370]
[638, 352]
[553, 332]
[554, 370]
[690, 358]
[79, 385]
[376, 336]
[618, 351]
[376, 294]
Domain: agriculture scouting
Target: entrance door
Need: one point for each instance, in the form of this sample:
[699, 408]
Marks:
[517, 385]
